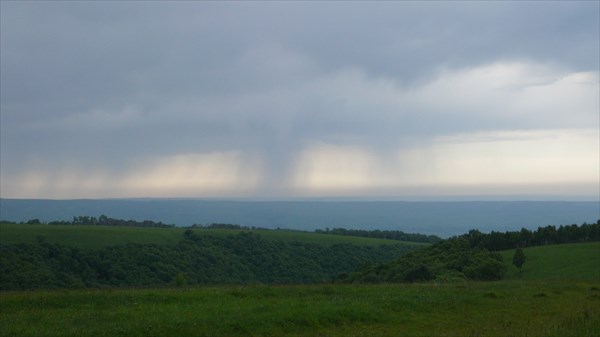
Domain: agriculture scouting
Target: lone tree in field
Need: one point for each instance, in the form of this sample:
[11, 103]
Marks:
[519, 259]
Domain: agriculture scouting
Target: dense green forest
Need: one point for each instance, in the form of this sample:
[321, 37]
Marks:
[245, 258]
[448, 260]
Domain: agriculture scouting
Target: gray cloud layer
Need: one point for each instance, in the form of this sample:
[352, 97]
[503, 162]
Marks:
[109, 84]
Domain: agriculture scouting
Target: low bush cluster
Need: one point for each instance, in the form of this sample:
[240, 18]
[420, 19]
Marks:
[449, 260]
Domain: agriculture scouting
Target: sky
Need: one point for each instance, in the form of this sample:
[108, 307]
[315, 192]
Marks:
[299, 99]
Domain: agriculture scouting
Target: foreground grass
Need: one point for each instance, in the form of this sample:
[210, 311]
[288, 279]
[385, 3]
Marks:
[579, 261]
[101, 236]
[508, 308]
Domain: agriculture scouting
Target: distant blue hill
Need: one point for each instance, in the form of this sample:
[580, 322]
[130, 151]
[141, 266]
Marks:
[443, 218]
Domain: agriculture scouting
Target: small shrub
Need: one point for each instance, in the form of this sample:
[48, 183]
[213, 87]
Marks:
[180, 280]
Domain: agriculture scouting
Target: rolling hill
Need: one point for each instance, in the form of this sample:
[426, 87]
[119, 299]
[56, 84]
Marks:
[102, 236]
[557, 294]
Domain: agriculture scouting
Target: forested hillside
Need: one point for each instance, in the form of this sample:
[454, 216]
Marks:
[245, 258]
[77, 256]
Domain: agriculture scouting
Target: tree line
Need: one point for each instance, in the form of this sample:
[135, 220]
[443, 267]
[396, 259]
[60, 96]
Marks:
[382, 234]
[102, 220]
[227, 226]
[548, 235]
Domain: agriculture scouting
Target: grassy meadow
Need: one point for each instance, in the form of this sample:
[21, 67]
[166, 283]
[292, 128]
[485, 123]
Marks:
[509, 308]
[579, 261]
[102, 236]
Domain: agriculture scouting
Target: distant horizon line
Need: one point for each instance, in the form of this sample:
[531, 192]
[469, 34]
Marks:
[469, 198]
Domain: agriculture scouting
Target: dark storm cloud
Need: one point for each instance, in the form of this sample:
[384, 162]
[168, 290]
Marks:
[107, 83]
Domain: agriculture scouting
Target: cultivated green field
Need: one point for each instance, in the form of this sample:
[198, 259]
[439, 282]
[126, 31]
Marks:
[101, 236]
[510, 308]
[580, 261]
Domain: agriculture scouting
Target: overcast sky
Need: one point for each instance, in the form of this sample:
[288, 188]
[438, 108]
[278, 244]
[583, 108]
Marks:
[299, 99]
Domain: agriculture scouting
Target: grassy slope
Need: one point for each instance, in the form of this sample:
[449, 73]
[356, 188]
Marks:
[579, 261]
[99, 236]
[508, 308]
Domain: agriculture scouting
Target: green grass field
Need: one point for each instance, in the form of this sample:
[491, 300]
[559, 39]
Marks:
[101, 236]
[509, 308]
[580, 261]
